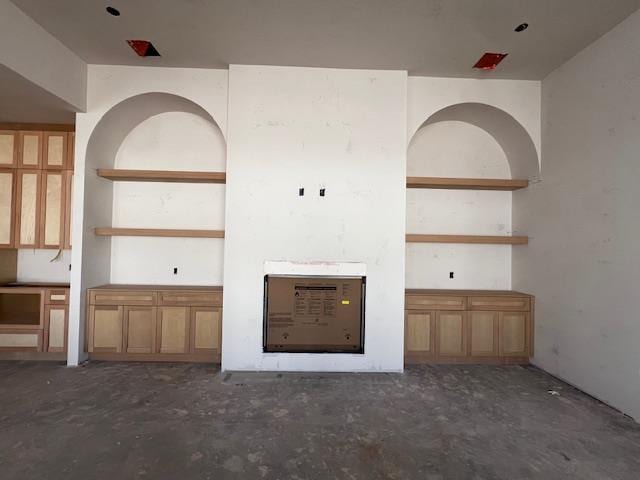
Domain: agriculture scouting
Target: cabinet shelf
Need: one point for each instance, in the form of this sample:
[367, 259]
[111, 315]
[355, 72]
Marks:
[466, 183]
[122, 175]
[157, 232]
[474, 239]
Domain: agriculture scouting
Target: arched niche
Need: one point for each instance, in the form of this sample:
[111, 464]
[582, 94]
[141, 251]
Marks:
[512, 137]
[120, 120]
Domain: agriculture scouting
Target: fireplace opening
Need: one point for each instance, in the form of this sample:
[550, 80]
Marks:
[313, 314]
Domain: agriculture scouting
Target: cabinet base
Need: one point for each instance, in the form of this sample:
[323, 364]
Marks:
[418, 360]
[155, 357]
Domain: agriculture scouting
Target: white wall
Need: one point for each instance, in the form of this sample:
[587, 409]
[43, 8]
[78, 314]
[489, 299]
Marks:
[118, 100]
[44, 265]
[344, 130]
[169, 141]
[461, 149]
[583, 262]
[457, 149]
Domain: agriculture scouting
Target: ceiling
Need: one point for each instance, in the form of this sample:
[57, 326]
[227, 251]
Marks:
[425, 37]
[24, 102]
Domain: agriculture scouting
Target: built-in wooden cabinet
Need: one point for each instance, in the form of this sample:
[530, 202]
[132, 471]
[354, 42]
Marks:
[36, 188]
[460, 326]
[8, 148]
[34, 319]
[154, 323]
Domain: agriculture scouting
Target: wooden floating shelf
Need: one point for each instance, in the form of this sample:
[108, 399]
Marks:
[157, 232]
[477, 239]
[161, 176]
[466, 183]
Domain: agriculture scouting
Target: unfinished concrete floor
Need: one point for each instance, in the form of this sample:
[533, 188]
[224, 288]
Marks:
[158, 421]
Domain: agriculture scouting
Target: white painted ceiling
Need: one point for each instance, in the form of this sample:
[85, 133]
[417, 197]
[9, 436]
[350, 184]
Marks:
[425, 37]
[24, 102]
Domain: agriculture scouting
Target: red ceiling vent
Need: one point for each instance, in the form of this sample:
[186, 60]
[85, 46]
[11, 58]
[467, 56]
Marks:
[489, 61]
[143, 48]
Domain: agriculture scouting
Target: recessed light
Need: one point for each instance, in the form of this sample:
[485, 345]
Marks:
[489, 61]
[113, 11]
[522, 27]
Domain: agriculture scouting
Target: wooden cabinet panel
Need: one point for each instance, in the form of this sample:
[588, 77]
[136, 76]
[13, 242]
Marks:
[177, 297]
[418, 332]
[54, 154]
[56, 326]
[71, 151]
[8, 148]
[173, 330]
[140, 329]
[483, 333]
[53, 214]
[21, 340]
[435, 302]
[514, 332]
[30, 150]
[68, 204]
[506, 303]
[58, 296]
[206, 329]
[122, 297]
[105, 328]
[28, 188]
[451, 333]
[7, 207]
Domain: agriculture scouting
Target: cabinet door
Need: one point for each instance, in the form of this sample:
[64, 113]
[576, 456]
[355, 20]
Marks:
[71, 151]
[68, 208]
[30, 150]
[7, 208]
[206, 329]
[451, 338]
[56, 319]
[514, 334]
[483, 333]
[54, 153]
[105, 328]
[173, 329]
[53, 210]
[8, 148]
[140, 329]
[419, 328]
[28, 187]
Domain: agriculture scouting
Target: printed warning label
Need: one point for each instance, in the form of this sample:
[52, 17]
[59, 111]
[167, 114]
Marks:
[315, 300]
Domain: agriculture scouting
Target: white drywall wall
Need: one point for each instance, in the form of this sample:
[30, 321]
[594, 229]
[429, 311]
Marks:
[43, 265]
[344, 130]
[583, 261]
[169, 141]
[32, 52]
[457, 149]
[118, 99]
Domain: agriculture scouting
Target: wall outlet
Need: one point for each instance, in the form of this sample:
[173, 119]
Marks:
[175, 270]
[450, 274]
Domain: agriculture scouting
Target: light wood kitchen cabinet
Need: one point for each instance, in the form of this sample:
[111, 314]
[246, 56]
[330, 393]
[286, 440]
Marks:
[7, 208]
[34, 319]
[451, 334]
[140, 329]
[468, 326]
[206, 329]
[68, 203]
[158, 323]
[8, 148]
[54, 154]
[173, 329]
[28, 208]
[56, 319]
[105, 328]
[30, 149]
[53, 212]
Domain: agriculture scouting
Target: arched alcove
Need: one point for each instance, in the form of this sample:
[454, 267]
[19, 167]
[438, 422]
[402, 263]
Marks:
[120, 120]
[513, 138]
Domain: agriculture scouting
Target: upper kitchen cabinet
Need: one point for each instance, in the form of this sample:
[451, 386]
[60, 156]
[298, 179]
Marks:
[8, 148]
[55, 151]
[7, 207]
[30, 149]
